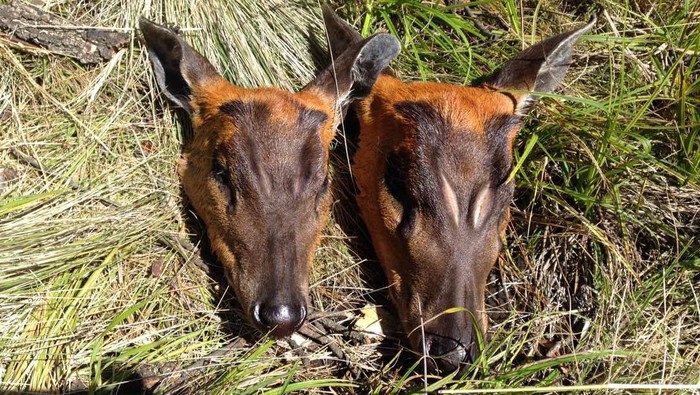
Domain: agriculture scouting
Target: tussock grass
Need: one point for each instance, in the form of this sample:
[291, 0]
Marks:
[596, 291]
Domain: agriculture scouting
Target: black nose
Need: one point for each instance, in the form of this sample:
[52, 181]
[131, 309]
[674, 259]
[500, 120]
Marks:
[279, 319]
[448, 354]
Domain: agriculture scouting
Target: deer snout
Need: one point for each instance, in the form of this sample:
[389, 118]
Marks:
[280, 320]
[448, 342]
[448, 354]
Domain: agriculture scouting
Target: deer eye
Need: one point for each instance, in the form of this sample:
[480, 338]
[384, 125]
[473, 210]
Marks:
[395, 179]
[223, 180]
[324, 187]
[322, 192]
[408, 223]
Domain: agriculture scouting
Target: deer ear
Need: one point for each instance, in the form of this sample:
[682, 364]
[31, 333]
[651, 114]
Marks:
[340, 33]
[356, 63]
[539, 68]
[179, 69]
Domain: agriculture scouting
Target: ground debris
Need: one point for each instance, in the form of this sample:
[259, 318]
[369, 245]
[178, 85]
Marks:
[171, 380]
[7, 174]
[29, 24]
[28, 160]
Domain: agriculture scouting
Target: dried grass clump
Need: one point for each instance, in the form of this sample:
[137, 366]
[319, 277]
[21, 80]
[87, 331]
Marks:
[106, 283]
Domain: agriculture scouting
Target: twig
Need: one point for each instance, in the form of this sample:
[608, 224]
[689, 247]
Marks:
[323, 319]
[357, 337]
[176, 379]
[28, 160]
[316, 314]
[185, 249]
[296, 349]
[485, 31]
[479, 26]
[310, 332]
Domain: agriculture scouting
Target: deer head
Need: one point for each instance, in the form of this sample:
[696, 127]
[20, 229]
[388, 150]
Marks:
[432, 168]
[256, 170]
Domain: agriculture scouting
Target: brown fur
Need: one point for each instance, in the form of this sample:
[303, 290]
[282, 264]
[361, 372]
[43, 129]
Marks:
[256, 170]
[212, 129]
[432, 168]
[383, 131]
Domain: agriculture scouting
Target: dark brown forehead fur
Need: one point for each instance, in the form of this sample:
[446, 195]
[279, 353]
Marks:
[272, 149]
[440, 141]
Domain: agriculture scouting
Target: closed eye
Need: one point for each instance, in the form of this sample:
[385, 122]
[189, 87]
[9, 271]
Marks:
[223, 180]
[221, 176]
[395, 179]
[322, 192]
[408, 223]
[395, 182]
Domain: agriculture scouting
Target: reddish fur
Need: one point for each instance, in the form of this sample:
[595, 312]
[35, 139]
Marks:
[381, 132]
[256, 170]
[212, 127]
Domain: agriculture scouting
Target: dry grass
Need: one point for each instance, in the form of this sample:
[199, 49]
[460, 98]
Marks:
[598, 286]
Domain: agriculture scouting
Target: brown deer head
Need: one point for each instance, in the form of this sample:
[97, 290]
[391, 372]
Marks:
[256, 170]
[432, 168]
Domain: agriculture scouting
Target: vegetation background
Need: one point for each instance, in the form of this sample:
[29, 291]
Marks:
[597, 290]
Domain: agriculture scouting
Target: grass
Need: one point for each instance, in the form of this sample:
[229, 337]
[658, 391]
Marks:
[597, 290]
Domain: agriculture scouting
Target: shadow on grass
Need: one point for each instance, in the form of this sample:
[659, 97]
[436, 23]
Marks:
[347, 215]
[125, 382]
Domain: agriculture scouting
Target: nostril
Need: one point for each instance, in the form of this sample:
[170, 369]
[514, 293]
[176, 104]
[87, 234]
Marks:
[448, 354]
[281, 319]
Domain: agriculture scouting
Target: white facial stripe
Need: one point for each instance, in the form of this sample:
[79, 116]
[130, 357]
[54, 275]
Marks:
[450, 200]
[481, 205]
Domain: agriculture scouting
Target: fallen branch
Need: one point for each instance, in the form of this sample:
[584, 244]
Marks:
[185, 249]
[28, 160]
[30, 24]
[175, 379]
[316, 334]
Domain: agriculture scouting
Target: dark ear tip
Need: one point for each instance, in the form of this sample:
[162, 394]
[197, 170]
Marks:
[329, 15]
[145, 23]
[590, 24]
[326, 10]
[585, 29]
[389, 43]
[154, 34]
[147, 26]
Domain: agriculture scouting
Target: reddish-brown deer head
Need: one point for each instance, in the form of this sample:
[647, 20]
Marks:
[256, 170]
[432, 167]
